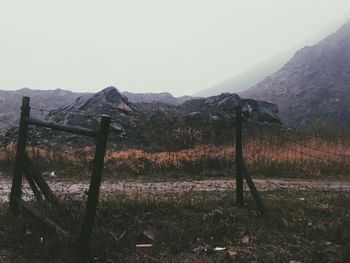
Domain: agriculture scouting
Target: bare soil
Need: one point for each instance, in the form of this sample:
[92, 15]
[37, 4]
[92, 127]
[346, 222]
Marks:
[109, 188]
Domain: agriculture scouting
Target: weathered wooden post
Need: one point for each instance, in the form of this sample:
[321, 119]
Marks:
[241, 169]
[83, 242]
[239, 157]
[16, 190]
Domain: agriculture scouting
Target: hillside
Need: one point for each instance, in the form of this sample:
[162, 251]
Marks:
[314, 85]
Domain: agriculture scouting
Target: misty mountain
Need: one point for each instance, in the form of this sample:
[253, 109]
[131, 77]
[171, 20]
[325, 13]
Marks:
[249, 78]
[314, 85]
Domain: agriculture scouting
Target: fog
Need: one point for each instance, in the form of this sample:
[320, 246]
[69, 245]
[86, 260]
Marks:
[180, 46]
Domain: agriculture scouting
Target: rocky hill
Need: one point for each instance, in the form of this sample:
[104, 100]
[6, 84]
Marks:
[47, 100]
[153, 126]
[10, 103]
[314, 85]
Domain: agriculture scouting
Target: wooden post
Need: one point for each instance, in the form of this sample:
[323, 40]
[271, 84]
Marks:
[83, 242]
[239, 157]
[16, 190]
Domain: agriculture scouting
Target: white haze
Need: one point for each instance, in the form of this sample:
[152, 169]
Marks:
[180, 46]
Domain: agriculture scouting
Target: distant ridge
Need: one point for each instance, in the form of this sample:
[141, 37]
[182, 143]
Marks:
[10, 103]
[164, 97]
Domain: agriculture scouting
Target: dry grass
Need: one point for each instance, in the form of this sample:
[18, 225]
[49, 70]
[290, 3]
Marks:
[294, 157]
[268, 157]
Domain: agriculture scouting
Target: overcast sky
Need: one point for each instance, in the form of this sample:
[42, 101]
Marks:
[180, 46]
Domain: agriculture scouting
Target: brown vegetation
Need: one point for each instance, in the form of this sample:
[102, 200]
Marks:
[265, 156]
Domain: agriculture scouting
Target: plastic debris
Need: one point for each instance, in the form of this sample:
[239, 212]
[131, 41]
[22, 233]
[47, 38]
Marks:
[219, 248]
[145, 238]
[144, 245]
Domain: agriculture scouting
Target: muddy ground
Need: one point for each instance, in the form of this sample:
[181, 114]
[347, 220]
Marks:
[109, 188]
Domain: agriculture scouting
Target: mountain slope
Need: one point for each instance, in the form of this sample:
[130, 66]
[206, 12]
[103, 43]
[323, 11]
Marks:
[314, 85]
[249, 78]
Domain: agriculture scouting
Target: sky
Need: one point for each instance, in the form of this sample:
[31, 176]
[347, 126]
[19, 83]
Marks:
[178, 46]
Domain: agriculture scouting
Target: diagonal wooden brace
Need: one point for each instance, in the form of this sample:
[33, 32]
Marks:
[258, 201]
[44, 219]
[33, 186]
[31, 171]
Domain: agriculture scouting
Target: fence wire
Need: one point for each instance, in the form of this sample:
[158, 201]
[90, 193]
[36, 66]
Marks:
[286, 153]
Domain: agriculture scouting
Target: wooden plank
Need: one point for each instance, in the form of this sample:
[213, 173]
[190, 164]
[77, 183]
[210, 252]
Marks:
[64, 128]
[91, 205]
[16, 189]
[258, 201]
[44, 219]
[239, 157]
[33, 186]
[31, 170]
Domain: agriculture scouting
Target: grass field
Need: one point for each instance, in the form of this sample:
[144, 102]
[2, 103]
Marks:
[190, 226]
[304, 226]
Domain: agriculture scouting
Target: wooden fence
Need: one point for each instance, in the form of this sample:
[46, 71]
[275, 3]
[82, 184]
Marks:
[24, 166]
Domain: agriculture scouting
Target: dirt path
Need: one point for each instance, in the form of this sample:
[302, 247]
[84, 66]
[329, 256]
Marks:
[109, 188]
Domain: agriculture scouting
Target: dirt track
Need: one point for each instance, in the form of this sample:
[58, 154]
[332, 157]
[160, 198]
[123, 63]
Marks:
[112, 187]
